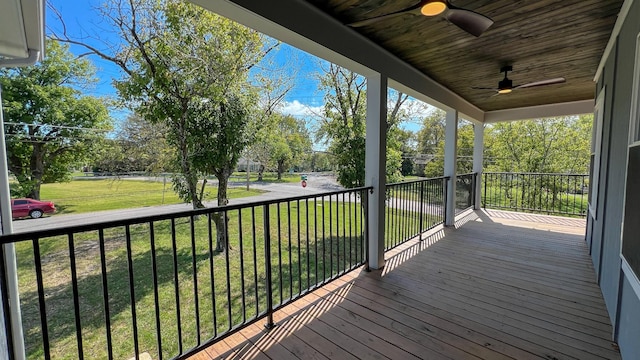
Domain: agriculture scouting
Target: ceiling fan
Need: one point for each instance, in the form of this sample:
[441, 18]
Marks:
[505, 86]
[469, 21]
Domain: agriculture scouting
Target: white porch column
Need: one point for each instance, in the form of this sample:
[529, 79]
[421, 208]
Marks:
[375, 165]
[450, 156]
[478, 158]
[11, 269]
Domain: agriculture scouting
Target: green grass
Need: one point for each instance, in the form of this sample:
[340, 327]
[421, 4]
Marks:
[311, 242]
[299, 259]
[534, 201]
[87, 195]
[266, 177]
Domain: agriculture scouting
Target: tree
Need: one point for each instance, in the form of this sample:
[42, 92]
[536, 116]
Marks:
[431, 141]
[344, 122]
[553, 145]
[281, 144]
[188, 68]
[431, 135]
[137, 146]
[50, 126]
[407, 166]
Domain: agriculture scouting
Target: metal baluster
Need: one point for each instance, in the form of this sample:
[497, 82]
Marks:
[156, 300]
[255, 258]
[196, 302]
[281, 283]
[105, 294]
[242, 283]
[132, 294]
[76, 297]
[299, 251]
[267, 267]
[174, 248]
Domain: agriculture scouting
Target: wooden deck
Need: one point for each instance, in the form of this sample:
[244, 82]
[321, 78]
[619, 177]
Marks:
[499, 286]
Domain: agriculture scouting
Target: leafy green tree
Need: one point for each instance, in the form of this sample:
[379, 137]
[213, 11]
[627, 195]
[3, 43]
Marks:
[344, 124]
[282, 144]
[321, 161]
[188, 69]
[553, 145]
[432, 139]
[407, 166]
[137, 146]
[295, 143]
[50, 126]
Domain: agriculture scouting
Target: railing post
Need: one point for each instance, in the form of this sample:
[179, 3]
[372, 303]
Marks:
[365, 199]
[445, 202]
[474, 180]
[484, 205]
[267, 267]
[421, 208]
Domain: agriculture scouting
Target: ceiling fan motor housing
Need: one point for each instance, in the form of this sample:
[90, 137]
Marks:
[505, 84]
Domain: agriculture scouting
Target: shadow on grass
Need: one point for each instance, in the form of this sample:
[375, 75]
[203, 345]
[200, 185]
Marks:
[65, 209]
[59, 300]
[292, 273]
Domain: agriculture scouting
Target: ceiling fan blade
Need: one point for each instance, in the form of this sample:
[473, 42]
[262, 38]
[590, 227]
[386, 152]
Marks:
[372, 20]
[483, 88]
[541, 83]
[469, 21]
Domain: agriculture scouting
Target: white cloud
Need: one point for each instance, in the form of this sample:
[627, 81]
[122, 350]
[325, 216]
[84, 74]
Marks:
[298, 109]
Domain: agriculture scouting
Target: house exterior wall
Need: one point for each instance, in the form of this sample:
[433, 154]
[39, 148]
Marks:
[606, 85]
[623, 302]
[628, 326]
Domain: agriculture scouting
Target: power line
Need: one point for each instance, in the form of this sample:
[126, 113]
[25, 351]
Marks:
[56, 126]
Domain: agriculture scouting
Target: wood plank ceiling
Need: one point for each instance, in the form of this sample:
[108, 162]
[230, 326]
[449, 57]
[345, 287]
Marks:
[541, 39]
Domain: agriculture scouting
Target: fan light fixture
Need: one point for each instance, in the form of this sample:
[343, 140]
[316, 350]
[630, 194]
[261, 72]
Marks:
[433, 7]
[505, 86]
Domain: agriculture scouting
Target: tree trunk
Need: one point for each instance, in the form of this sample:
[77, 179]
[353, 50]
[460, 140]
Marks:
[280, 169]
[220, 218]
[37, 171]
[260, 172]
[189, 176]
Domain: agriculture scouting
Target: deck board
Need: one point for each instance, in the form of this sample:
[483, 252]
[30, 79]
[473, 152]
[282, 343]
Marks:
[498, 286]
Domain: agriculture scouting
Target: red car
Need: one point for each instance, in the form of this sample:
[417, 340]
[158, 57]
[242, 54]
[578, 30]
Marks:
[29, 207]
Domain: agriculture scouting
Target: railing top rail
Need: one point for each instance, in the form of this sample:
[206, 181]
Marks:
[532, 173]
[417, 181]
[31, 235]
[467, 174]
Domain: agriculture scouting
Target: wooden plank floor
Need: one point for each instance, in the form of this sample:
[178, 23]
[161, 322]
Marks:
[498, 286]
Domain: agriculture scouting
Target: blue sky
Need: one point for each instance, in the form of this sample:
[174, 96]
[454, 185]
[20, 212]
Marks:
[83, 22]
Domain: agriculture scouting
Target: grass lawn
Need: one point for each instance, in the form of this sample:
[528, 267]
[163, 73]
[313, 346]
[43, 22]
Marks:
[266, 177]
[534, 200]
[86, 195]
[311, 242]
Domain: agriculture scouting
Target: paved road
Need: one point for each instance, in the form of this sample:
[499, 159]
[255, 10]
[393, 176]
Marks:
[317, 183]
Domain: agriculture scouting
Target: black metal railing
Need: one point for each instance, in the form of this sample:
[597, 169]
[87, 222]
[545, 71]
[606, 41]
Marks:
[157, 284]
[465, 191]
[413, 207]
[560, 194]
